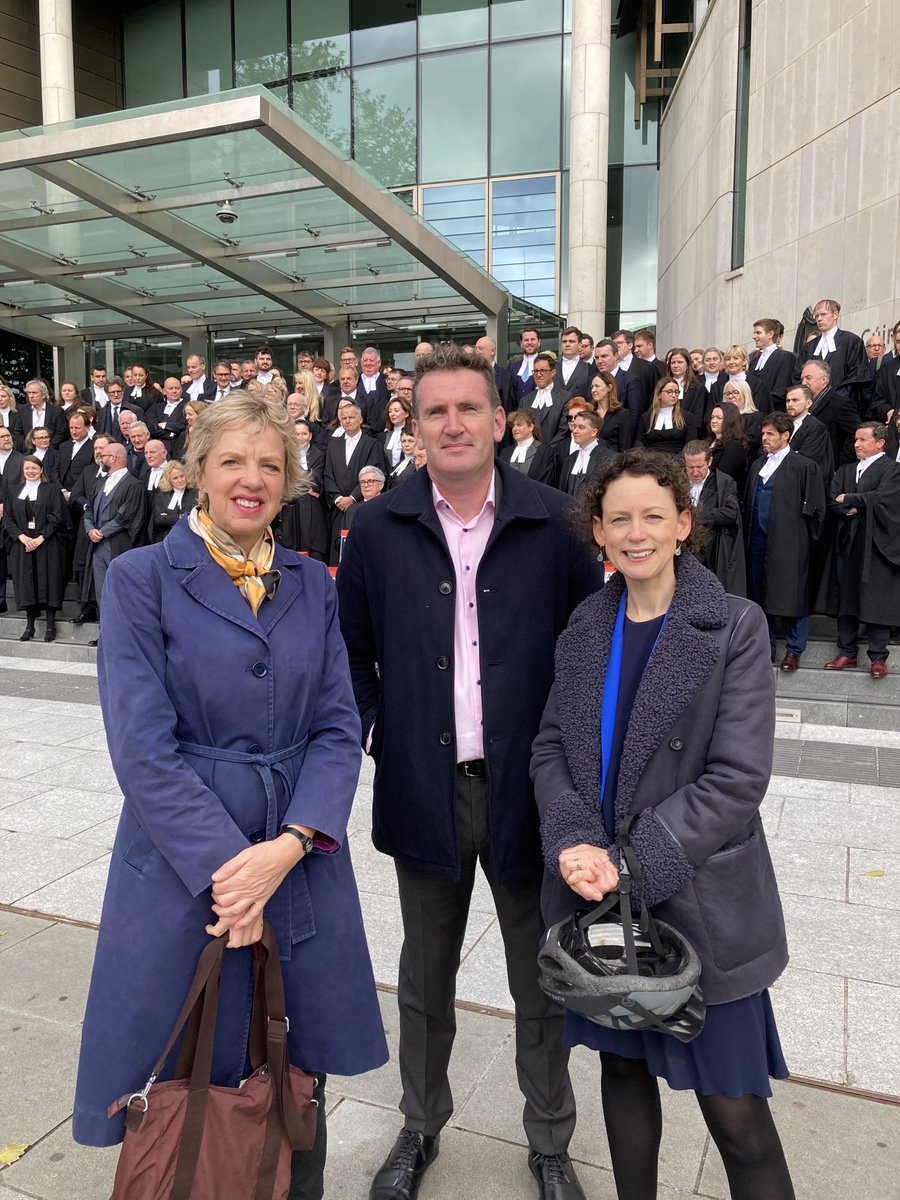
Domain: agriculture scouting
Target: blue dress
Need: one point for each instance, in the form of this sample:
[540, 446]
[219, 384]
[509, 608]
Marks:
[738, 1049]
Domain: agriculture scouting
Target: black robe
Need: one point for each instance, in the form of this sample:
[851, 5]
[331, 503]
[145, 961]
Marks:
[162, 518]
[886, 395]
[777, 374]
[722, 549]
[796, 519]
[862, 561]
[849, 363]
[812, 440]
[128, 508]
[39, 576]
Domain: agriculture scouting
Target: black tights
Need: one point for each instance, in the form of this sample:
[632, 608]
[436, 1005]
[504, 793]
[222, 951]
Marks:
[742, 1128]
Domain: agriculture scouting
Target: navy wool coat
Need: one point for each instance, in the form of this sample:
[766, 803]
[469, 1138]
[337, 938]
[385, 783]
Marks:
[397, 591]
[694, 770]
[222, 727]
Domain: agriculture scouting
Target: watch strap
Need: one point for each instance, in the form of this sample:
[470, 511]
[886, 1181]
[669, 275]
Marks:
[303, 838]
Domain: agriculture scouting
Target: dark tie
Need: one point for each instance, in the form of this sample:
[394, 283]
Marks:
[114, 409]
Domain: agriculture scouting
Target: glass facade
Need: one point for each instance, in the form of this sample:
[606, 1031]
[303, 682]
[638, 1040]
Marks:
[463, 104]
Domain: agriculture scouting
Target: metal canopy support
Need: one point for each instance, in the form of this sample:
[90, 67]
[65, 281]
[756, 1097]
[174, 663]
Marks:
[383, 209]
[172, 230]
[100, 291]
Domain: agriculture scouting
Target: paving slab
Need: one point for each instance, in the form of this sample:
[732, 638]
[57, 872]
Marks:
[873, 1043]
[37, 1096]
[83, 769]
[15, 928]
[810, 1010]
[810, 869]
[60, 812]
[28, 863]
[47, 975]
[59, 1169]
[850, 940]
[835, 1146]
[874, 878]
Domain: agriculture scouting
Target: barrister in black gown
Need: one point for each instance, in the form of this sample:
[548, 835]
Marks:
[169, 501]
[615, 420]
[528, 453]
[844, 352]
[302, 524]
[730, 445]
[861, 580]
[886, 393]
[740, 394]
[810, 437]
[716, 501]
[666, 427]
[692, 392]
[342, 474]
[406, 467]
[34, 518]
[777, 371]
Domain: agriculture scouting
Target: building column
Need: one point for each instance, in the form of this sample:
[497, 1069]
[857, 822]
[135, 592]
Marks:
[588, 164]
[57, 61]
[335, 336]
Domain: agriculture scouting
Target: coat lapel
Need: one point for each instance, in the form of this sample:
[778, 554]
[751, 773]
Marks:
[681, 663]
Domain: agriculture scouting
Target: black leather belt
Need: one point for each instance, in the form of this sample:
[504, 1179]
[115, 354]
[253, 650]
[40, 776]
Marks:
[473, 769]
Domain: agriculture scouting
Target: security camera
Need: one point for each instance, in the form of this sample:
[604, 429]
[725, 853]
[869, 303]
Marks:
[226, 214]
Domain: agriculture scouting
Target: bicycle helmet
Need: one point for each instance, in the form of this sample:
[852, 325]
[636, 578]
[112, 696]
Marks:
[622, 972]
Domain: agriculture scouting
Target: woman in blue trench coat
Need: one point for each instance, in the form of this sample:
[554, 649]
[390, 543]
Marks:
[230, 716]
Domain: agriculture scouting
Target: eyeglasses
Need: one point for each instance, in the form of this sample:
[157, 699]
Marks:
[369, 482]
[542, 370]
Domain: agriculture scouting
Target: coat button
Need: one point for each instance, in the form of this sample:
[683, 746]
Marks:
[445, 587]
[676, 743]
[446, 738]
[442, 663]
[257, 836]
[254, 749]
[260, 670]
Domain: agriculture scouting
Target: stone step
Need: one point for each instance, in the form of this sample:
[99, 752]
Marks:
[67, 634]
[62, 650]
[820, 651]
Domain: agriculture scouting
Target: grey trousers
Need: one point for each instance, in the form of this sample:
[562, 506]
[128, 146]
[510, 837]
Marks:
[435, 912]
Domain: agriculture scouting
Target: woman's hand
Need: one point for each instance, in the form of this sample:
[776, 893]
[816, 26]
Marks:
[588, 871]
[243, 886]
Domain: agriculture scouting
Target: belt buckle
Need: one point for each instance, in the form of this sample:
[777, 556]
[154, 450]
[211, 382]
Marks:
[476, 773]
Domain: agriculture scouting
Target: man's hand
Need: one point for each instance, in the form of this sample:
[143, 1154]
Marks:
[344, 502]
[95, 535]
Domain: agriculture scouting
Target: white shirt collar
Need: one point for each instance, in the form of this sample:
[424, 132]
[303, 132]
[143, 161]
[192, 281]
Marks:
[625, 363]
[773, 462]
[113, 478]
[825, 344]
[584, 454]
[441, 504]
[543, 398]
[863, 465]
[521, 450]
[765, 355]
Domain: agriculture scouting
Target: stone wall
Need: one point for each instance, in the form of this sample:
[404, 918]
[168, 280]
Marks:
[823, 171]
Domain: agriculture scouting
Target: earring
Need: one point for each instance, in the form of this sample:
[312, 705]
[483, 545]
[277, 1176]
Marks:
[677, 549]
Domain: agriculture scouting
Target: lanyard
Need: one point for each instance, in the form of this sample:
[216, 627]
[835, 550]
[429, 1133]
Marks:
[611, 686]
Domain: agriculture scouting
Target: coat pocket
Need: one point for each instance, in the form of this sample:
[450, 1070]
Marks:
[739, 903]
[139, 851]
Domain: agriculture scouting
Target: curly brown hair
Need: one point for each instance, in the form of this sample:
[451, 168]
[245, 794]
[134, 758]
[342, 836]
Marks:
[669, 472]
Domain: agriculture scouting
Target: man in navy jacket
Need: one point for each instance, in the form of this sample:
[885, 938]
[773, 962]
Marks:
[489, 569]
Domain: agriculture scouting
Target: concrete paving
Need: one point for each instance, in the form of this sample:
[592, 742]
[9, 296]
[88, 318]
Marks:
[836, 847]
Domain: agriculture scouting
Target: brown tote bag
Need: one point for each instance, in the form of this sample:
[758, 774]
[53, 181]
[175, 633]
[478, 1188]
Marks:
[186, 1139]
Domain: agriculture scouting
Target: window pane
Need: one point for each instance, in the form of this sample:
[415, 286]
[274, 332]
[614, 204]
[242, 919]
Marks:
[384, 121]
[523, 238]
[458, 212]
[320, 35]
[525, 134]
[454, 83]
[324, 104]
[631, 255]
[152, 38]
[207, 25]
[519, 18]
[629, 142]
[446, 23]
[260, 39]
[382, 29]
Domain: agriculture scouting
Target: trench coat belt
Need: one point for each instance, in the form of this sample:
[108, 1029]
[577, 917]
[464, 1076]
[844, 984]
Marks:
[290, 909]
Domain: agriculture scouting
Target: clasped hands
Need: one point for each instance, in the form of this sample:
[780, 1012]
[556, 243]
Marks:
[588, 871]
[243, 886]
[30, 543]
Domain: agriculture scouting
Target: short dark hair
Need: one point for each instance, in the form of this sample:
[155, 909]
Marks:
[697, 447]
[523, 416]
[770, 325]
[448, 356]
[591, 417]
[800, 387]
[646, 335]
[622, 333]
[879, 431]
[264, 350]
[667, 469]
[779, 421]
[570, 329]
[545, 357]
[586, 337]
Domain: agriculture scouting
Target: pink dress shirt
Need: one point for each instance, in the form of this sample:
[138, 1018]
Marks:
[466, 541]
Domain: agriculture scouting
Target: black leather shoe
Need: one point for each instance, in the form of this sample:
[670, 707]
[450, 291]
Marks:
[400, 1174]
[555, 1175]
[50, 634]
[86, 614]
[26, 636]
[94, 642]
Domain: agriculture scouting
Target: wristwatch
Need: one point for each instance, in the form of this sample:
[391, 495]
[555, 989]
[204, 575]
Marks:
[303, 838]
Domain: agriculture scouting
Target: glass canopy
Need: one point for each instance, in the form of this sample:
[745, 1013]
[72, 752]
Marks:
[200, 215]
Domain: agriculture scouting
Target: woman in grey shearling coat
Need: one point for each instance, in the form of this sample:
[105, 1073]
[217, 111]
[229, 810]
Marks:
[689, 759]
